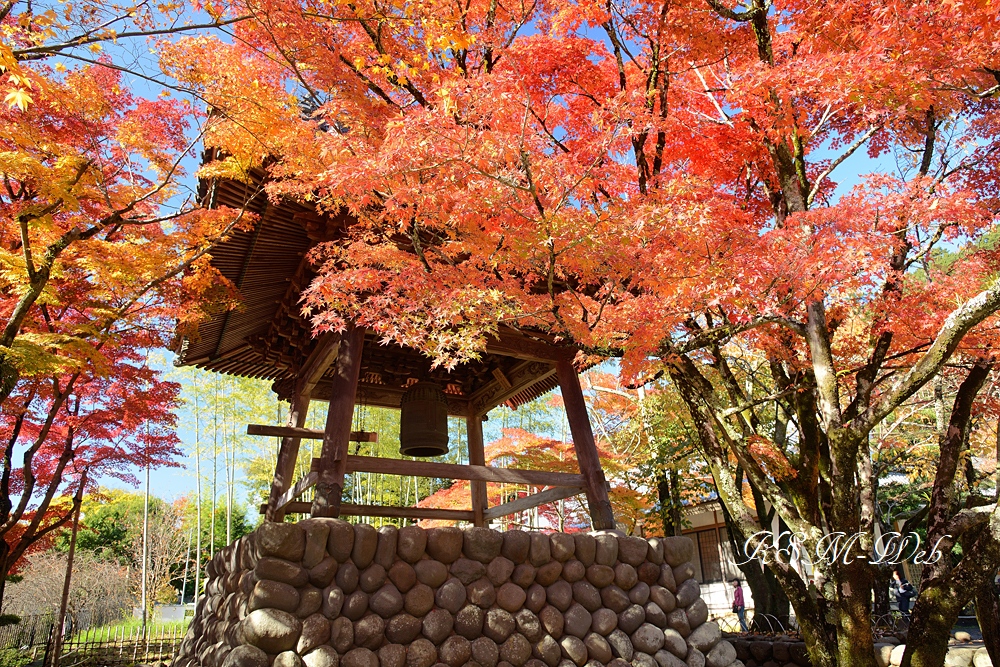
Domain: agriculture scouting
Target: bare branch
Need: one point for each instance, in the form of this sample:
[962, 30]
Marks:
[38, 52]
[858, 143]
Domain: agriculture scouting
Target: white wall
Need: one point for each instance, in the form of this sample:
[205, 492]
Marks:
[719, 597]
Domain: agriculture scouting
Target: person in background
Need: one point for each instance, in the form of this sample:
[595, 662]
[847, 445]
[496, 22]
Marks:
[904, 592]
[739, 605]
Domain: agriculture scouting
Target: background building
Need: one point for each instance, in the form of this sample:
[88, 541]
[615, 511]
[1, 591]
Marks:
[714, 562]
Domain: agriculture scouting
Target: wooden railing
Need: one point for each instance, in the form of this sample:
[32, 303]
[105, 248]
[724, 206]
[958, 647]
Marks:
[562, 485]
[106, 645]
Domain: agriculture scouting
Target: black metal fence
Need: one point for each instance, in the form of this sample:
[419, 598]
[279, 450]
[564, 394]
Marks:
[29, 632]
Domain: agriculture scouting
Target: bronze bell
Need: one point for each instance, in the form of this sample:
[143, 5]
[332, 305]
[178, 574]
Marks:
[423, 421]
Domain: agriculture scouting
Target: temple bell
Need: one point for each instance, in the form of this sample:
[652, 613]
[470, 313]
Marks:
[423, 421]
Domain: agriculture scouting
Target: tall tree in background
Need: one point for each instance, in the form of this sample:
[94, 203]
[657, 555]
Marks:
[654, 180]
[112, 530]
[218, 408]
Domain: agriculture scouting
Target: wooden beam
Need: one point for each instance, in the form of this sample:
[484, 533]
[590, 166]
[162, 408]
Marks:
[300, 487]
[319, 360]
[377, 395]
[333, 459]
[349, 509]
[510, 343]
[601, 514]
[477, 457]
[312, 370]
[306, 433]
[288, 453]
[524, 375]
[212, 358]
[452, 471]
[532, 501]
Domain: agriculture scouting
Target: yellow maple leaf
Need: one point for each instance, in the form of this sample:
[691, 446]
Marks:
[18, 98]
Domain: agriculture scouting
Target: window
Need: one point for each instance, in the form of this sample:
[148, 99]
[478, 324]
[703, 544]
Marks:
[708, 552]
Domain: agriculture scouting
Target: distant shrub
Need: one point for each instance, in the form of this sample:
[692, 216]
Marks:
[12, 657]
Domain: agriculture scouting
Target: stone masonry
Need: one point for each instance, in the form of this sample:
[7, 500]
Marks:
[784, 651]
[326, 593]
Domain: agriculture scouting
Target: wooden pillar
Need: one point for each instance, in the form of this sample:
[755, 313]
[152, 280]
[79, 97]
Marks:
[586, 449]
[333, 459]
[309, 375]
[477, 457]
[288, 453]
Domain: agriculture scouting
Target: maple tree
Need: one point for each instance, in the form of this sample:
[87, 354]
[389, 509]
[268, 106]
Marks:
[102, 252]
[647, 452]
[63, 433]
[655, 181]
[647, 433]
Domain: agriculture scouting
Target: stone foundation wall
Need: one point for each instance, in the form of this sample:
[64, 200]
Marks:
[770, 652]
[326, 593]
[762, 651]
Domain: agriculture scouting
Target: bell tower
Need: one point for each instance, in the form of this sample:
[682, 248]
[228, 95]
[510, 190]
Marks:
[270, 338]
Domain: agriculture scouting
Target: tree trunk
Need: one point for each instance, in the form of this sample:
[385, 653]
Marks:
[778, 605]
[820, 642]
[8, 376]
[881, 576]
[943, 596]
[197, 501]
[854, 632]
[663, 496]
[944, 587]
[988, 615]
[64, 602]
[675, 502]
[669, 496]
[768, 596]
[933, 618]
[4, 567]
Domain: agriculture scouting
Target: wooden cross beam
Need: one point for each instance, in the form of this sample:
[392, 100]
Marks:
[305, 433]
[532, 501]
[300, 487]
[409, 468]
[564, 485]
[288, 504]
[350, 509]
